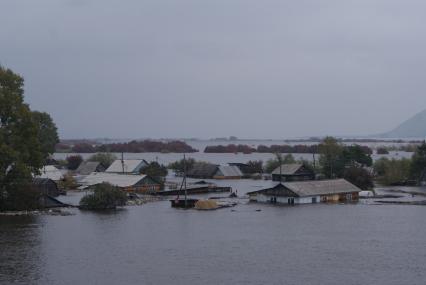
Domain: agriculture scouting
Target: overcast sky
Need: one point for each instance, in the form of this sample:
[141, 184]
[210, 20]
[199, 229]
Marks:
[253, 69]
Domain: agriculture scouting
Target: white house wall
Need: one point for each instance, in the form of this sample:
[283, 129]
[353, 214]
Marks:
[284, 200]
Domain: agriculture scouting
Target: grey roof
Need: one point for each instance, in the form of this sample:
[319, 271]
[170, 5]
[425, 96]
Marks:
[51, 172]
[311, 188]
[87, 167]
[321, 187]
[120, 180]
[201, 169]
[287, 169]
[130, 166]
[229, 170]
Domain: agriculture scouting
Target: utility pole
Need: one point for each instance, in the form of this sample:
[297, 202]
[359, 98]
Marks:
[184, 179]
[122, 162]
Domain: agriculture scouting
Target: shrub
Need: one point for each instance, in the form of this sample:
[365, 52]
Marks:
[359, 177]
[104, 197]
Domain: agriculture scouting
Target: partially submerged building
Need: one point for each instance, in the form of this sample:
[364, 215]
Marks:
[292, 172]
[127, 182]
[50, 172]
[307, 192]
[228, 172]
[127, 166]
[46, 186]
[202, 170]
[87, 167]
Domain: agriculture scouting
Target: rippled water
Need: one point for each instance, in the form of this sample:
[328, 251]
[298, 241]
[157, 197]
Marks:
[155, 244]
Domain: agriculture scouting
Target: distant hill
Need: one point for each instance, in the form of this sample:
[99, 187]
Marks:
[415, 127]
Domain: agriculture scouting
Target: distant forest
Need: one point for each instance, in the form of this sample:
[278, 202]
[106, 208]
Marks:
[131, 147]
[232, 148]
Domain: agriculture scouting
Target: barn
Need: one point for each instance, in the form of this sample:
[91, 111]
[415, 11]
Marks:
[128, 183]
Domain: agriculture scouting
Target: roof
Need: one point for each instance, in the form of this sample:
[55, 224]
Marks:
[87, 167]
[120, 180]
[130, 166]
[42, 181]
[51, 172]
[287, 169]
[229, 170]
[202, 170]
[312, 188]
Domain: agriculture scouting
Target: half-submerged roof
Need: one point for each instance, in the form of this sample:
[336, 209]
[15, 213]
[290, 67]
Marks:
[229, 171]
[120, 180]
[87, 167]
[311, 188]
[51, 172]
[201, 169]
[129, 166]
[287, 169]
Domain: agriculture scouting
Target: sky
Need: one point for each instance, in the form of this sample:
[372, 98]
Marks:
[214, 68]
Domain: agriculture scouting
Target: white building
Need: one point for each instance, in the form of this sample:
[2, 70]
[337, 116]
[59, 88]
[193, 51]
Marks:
[307, 192]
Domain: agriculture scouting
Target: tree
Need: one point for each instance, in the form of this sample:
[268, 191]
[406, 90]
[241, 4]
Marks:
[356, 155]
[46, 131]
[418, 165]
[105, 158]
[359, 177]
[392, 171]
[255, 166]
[23, 143]
[74, 161]
[331, 157]
[272, 164]
[178, 166]
[104, 197]
[156, 171]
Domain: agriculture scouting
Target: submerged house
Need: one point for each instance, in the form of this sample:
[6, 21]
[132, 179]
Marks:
[46, 186]
[50, 172]
[87, 167]
[202, 170]
[228, 172]
[307, 192]
[127, 166]
[127, 182]
[292, 172]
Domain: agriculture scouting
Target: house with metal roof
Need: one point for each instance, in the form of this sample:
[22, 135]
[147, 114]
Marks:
[202, 170]
[228, 172]
[307, 192]
[292, 172]
[127, 166]
[50, 172]
[87, 167]
[127, 182]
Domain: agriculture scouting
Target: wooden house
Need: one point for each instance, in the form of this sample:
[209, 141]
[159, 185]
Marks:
[292, 172]
[87, 167]
[307, 192]
[127, 182]
[127, 166]
[228, 172]
[202, 170]
[46, 186]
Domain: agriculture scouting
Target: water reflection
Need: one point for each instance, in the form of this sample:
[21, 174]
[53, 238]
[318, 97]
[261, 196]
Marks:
[20, 259]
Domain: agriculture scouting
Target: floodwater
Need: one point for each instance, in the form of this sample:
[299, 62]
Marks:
[155, 244]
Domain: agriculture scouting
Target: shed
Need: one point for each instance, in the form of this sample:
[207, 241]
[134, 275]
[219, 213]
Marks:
[306, 192]
[292, 172]
[87, 167]
[228, 172]
[127, 166]
[46, 186]
[127, 182]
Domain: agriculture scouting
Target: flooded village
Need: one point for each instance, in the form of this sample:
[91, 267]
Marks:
[212, 142]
